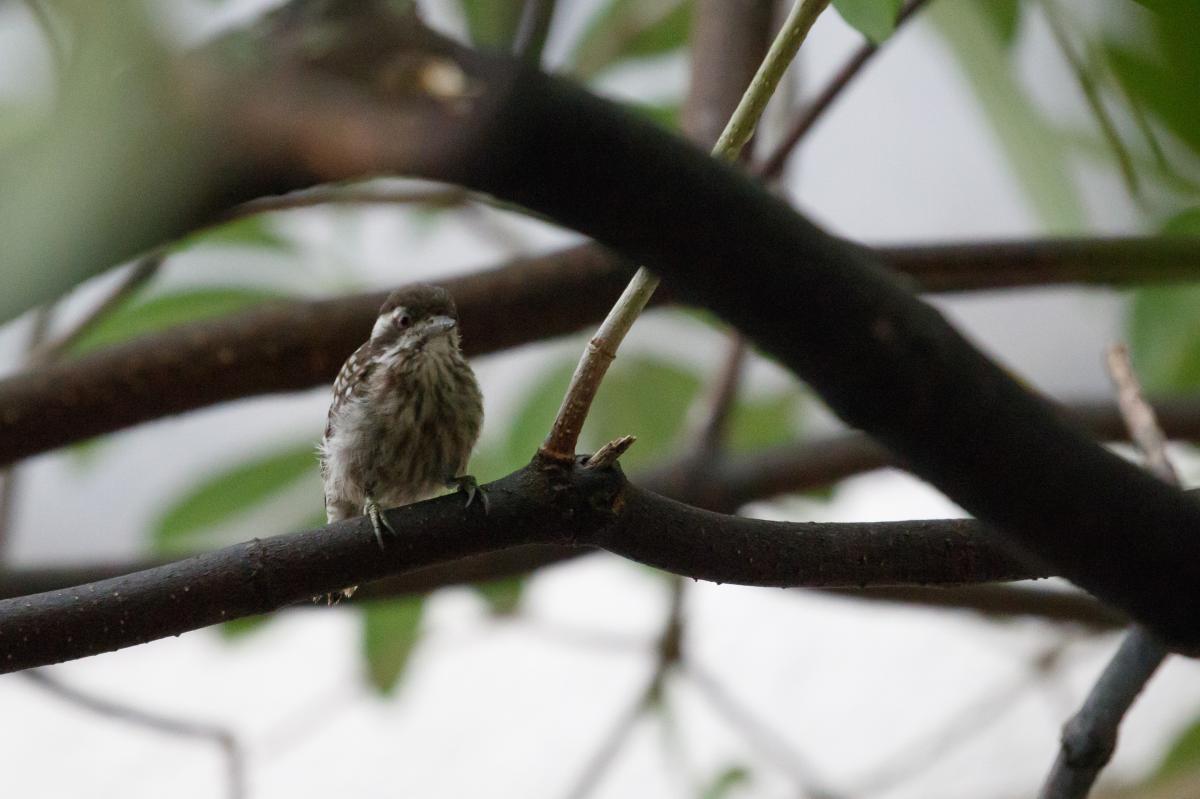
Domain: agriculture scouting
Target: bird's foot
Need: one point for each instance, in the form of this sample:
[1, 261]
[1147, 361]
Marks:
[337, 596]
[379, 522]
[467, 484]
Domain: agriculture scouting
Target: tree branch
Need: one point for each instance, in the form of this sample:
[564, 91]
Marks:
[773, 164]
[294, 346]
[564, 432]
[814, 303]
[283, 347]
[1089, 738]
[223, 738]
[917, 385]
[541, 504]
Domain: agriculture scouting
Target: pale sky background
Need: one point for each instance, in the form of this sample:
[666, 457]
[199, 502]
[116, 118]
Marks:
[508, 709]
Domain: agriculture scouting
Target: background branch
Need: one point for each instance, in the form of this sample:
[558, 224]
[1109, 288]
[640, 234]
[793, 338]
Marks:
[1090, 736]
[157, 722]
[294, 346]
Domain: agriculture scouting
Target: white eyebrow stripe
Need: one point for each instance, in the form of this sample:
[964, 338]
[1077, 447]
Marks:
[384, 321]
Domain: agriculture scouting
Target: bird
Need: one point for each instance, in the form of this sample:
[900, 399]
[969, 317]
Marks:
[405, 413]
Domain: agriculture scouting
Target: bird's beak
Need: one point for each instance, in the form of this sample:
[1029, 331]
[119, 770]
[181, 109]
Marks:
[439, 325]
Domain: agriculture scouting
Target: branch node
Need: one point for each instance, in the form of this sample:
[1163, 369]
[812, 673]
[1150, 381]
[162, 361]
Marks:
[608, 454]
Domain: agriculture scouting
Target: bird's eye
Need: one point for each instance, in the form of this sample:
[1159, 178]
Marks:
[404, 321]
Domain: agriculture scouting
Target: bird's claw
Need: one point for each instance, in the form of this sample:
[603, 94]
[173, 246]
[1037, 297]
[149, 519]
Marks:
[379, 522]
[468, 485]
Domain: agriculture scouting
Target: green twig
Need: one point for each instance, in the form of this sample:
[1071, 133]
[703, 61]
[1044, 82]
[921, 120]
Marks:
[602, 349]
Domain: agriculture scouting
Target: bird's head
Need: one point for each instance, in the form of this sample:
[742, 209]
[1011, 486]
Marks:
[414, 317]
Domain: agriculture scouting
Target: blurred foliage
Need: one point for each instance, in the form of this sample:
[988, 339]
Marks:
[1035, 152]
[726, 782]
[1004, 16]
[642, 395]
[492, 23]
[249, 231]
[665, 114]
[1164, 79]
[138, 317]
[875, 19]
[503, 597]
[625, 29]
[390, 633]
[102, 171]
[139, 314]
[230, 493]
[1164, 325]
[238, 629]
[1183, 756]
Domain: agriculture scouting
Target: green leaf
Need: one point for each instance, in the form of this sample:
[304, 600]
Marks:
[502, 596]
[239, 629]
[875, 19]
[532, 422]
[1164, 325]
[761, 423]
[1184, 223]
[640, 395]
[1164, 77]
[1037, 156]
[646, 397]
[1004, 16]
[249, 231]
[139, 317]
[623, 29]
[390, 633]
[1183, 756]
[724, 783]
[231, 492]
[665, 114]
[493, 23]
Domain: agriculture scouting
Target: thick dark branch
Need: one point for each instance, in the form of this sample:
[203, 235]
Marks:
[538, 505]
[884, 361]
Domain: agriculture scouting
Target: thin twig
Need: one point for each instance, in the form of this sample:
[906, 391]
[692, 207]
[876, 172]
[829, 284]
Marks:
[355, 195]
[609, 453]
[1089, 738]
[610, 748]
[9, 477]
[602, 349]
[533, 29]
[1139, 416]
[772, 165]
[713, 410]
[967, 723]
[1091, 94]
[770, 743]
[141, 273]
[225, 740]
[669, 653]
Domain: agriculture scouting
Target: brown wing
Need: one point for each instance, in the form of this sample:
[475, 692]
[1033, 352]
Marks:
[351, 381]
